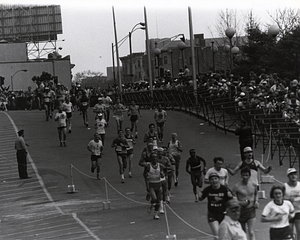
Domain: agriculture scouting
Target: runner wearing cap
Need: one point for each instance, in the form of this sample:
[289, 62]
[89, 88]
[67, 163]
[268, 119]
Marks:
[99, 108]
[292, 193]
[195, 165]
[217, 195]
[230, 228]
[249, 162]
[100, 127]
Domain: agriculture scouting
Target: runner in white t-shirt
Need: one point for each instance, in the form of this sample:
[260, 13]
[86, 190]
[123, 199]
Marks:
[217, 168]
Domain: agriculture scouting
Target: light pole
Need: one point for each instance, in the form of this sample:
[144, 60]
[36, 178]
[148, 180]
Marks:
[230, 33]
[130, 46]
[181, 46]
[12, 78]
[157, 52]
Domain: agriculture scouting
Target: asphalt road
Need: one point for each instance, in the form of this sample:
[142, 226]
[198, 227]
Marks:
[41, 208]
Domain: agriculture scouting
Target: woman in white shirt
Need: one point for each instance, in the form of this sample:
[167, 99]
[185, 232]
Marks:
[278, 212]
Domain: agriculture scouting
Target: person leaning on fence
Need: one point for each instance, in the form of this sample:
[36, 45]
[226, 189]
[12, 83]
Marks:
[292, 193]
[249, 162]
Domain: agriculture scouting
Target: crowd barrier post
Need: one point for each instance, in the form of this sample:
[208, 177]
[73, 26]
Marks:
[106, 205]
[169, 236]
[71, 188]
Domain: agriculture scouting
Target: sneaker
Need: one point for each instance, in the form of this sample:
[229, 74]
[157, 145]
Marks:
[136, 136]
[149, 209]
[122, 180]
[61, 144]
[168, 201]
[86, 124]
[70, 130]
[130, 175]
[92, 169]
[148, 197]
[176, 183]
[196, 198]
[155, 217]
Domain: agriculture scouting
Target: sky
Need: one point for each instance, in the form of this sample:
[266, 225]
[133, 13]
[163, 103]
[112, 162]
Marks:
[88, 29]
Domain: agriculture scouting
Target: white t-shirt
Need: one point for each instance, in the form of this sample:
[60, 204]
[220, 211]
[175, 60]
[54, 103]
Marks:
[223, 174]
[100, 126]
[61, 119]
[271, 209]
[293, 192]
[67, 107]
[95, 147]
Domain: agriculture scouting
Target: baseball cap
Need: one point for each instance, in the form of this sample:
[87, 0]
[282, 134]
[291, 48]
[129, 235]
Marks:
[100, 114]
[232, 203]
[248, 149]
[160, 149]
[100, 98]
[213, 175]
[291, 170]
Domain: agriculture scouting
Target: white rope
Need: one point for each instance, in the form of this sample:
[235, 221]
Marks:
[82, 172]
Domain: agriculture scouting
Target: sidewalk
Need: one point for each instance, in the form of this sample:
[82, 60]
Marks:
[27, 209]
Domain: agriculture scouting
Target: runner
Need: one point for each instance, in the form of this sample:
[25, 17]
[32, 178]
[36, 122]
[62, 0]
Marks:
[95, 146]
[61, 118]
[154, 172]
[145, 157]
[84, 106]
[68, 108]
[217, 195]
[120, 144]
[292, 193]
[131, 142]
[134, 113]
[195, 165]
[151, 136]
[217, 168]
[175, 148]
[118, 110]
[160, 117]
[47, 98]
[278, 212]
[100, 126]
[246, 193]
[249, 162]
[168, 171]
[107, 103]
[99, 108]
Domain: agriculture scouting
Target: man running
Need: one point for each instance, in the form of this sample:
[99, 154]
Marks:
[218, 169]
[61, 119]
[68, 108]
[131, 142]
[195, 165]
[246, 193]
[95, 146]
[175, 148]
[100, 127]
[120, 144]
[151, 135]
[160, 117]
[99, 108]
[134, 113]
[118, 110]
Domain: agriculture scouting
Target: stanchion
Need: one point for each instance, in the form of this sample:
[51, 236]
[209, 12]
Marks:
[106, 205]
[169, 236]
[261, 194]
[71, 188]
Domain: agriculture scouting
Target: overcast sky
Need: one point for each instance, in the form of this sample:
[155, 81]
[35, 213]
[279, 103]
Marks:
[88, 25]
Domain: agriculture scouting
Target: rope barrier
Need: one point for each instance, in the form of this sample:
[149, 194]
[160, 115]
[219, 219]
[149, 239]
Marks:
[142, 203]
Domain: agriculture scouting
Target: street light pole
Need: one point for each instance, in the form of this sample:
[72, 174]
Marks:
[12, 78]
[230, 33]
[130, 46]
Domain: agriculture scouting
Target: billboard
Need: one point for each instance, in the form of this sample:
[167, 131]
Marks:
[30, 23]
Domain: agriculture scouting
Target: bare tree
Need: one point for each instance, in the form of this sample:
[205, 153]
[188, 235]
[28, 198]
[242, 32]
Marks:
[287, 20]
